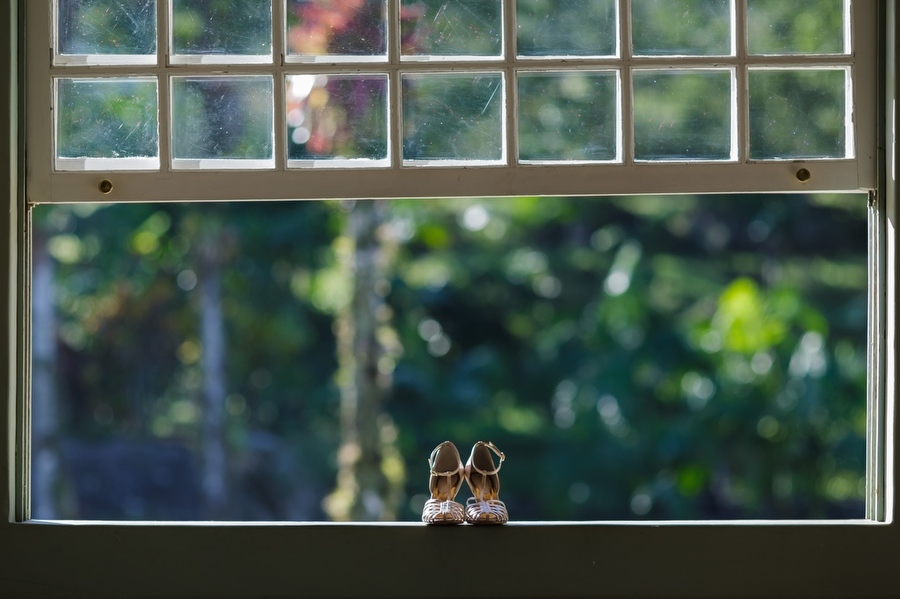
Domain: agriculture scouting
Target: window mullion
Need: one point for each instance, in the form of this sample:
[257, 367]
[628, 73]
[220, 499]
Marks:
[848, 31]
[511, 100]
[875, 387]
[278, 89]
[395, 108]
[882, 293]
[741, 101]
[163, 20]
[279, 27]
[626, 122]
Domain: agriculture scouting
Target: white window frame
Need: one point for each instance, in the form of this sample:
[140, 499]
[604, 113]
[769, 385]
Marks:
[279, 178]
[599, 559]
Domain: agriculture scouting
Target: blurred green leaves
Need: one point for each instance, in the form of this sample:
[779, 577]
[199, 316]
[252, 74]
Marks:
[745, 320]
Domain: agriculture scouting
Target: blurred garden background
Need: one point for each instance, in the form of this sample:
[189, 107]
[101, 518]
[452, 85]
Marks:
[635, 357]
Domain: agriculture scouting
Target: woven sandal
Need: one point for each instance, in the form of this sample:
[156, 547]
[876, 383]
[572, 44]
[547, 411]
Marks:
[485, 506]
[446, 478]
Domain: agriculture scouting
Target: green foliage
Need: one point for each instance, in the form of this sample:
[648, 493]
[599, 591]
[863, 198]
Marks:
[682, 115]
[107, 118]
[567, 116]
[689, 27]
[797, 114]
[452, 117]
[566, 27]
[689, 357]
[222, 117]
[800, 26]
[105, 27]
[222, 26]
[453, 27]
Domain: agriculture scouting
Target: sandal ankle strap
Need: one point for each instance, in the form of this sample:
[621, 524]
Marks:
[497, 451]
[432, 457]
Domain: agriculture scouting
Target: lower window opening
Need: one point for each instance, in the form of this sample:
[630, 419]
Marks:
[648, 357]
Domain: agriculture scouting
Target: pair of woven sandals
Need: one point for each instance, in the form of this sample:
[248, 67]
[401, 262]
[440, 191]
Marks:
[447, 476]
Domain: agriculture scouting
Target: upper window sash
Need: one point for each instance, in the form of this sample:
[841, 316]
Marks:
[439, 117]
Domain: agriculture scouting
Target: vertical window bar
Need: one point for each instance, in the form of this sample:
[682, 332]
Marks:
[24, 428]
[279, 27]
[882, 288]
[54, 30]
[395, 105]
[167, 30]
[848, 28]
[850, 143]
[164, 101]
[735, 114]
[741, 98]
[735, 10]
[511, 102]
[21, 425]
[626, 122]
[875, 360]
[884, 455]
[620, 116]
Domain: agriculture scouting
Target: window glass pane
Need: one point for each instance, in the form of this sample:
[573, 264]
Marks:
[681, 27]
[222, 117]
[222, 27]
[567, 115]
[336, 27]
[669, 357]
[451, 27]
[682, 115]
[106, 26]
[566, 27]
[798, 114]
[452, 116]
[796, 27]
[337, 116]
[107, 118]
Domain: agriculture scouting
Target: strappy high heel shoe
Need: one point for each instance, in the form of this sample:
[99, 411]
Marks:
[447, 474]
[485, 506]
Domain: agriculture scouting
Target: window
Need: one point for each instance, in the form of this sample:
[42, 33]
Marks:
[446, 113]
[607, 559]
[664, 357]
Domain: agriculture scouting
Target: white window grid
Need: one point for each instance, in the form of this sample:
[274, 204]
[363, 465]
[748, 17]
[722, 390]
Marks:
[163, 178]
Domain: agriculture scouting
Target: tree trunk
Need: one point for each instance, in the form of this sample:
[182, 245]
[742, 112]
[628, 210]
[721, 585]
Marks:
[370, 471]
[44, 403]
[212, 339]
